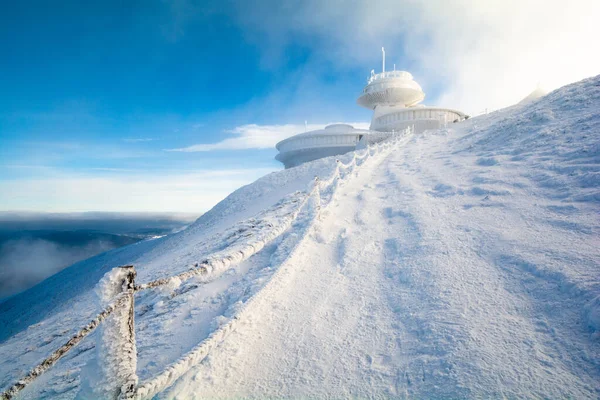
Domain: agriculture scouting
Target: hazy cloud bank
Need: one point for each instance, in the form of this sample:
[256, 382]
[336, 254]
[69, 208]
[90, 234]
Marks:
[25, 262]
[34, 246]
[111, 222]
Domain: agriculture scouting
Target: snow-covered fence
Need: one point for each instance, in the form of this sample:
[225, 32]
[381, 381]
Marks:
[118, 303]
[221, 261]
[314, 201]
[117, 288]
[118, 357]
[378, 137]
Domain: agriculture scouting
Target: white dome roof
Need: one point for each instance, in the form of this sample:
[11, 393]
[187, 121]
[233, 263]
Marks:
[391, 88]
[329, 130]
[339, 128]
[332, 140]
[333, 129]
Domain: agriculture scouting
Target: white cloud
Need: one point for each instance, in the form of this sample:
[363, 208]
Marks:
[482, 54]
[174, 192]
[496, 52]
[258, 136]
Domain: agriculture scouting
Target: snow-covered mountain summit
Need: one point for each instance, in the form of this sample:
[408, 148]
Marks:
[462, 263]
[535, 94]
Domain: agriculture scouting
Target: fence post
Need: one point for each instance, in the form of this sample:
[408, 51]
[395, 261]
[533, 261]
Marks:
[117, 349]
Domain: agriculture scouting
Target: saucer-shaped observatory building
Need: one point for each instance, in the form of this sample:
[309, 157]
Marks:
[394, 96]
[308, 146]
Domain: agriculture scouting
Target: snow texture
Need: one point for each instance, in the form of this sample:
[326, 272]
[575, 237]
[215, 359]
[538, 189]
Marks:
[313, 199]
[461, 263]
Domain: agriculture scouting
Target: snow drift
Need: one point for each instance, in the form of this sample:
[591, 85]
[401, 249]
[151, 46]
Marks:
[464, 264]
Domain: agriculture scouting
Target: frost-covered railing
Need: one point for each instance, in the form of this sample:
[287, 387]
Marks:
[121, 301]
[118, 357]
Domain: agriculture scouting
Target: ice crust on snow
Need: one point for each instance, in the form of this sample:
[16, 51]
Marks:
[465, 264]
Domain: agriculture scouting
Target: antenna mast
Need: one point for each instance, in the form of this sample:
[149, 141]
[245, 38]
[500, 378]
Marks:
[383, 62]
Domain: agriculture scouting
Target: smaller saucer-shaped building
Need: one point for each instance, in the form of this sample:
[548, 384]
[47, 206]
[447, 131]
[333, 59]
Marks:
[308, 146]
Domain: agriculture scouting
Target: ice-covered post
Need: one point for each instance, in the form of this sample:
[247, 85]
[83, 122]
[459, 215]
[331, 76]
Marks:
[117, 351]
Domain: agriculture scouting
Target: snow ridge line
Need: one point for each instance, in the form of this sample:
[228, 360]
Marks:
[150, 388]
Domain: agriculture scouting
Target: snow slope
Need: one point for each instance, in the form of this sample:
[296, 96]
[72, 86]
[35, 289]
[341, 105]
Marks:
[464, 264]
[41, 319]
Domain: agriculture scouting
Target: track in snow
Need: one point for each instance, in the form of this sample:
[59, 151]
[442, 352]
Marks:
[464, 265]
[412, 285]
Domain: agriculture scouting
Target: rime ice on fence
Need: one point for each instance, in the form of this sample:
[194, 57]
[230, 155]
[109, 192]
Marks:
[59, 353]
[245, 242]
[117, 356]
[116, 342]
[313, 205]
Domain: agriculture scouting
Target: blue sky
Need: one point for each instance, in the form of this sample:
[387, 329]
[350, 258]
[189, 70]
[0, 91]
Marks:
[95, 96]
